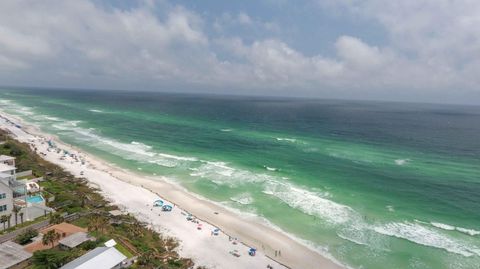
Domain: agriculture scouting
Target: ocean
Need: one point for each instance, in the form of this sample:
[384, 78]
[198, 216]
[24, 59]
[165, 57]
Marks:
[373, 184]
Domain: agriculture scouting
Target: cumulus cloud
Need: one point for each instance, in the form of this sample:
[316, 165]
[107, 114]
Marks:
[439, 38]
[432, 47]
[355, 52]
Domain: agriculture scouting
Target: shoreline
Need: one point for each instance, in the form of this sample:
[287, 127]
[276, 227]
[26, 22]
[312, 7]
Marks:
[119, 185]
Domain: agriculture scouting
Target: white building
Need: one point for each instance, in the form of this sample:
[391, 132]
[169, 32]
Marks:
[7, 173]
[9, 160]
[12, 254]
[6, 199]
[99, 258]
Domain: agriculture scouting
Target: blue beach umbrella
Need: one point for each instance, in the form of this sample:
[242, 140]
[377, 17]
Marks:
[167, 208]
[158, 203]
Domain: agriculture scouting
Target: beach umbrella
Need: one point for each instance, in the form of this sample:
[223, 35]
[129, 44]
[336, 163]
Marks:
[167, 208]
[158, 203]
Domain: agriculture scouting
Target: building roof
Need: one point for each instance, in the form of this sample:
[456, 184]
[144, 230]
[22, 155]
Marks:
[6, 167]
[99, 258]
[75, 239]
[4, 158]
[12, 254]
[110, 243]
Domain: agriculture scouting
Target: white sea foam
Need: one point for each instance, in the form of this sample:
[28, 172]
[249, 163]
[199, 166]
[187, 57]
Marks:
[181, 158]
[292, 140]
[390, 208]
[66, 125]
[226, 130]
[401, 161]
[26, 111]
[353, 240]
[243, 198]
[443, 226]
[454, 228]
[361, 233]
[422, 235]
[131, 151]
[311, 203]
[270, 168]
[163, 162]
[95, 110]
[47, 118]
[467, 231]
[222, 174]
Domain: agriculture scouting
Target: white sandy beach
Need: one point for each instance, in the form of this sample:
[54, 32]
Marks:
[135, 194]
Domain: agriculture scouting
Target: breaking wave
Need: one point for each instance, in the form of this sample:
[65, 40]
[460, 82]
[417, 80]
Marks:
[243, 199]
[454, 228]
[422, 235]
[222, 174]
[401, 161]
[311, 203]
[292, 140]
[270, 168]
[467, 231]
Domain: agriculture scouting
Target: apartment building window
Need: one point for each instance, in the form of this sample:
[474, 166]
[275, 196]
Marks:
[3, 208]
[3, 195]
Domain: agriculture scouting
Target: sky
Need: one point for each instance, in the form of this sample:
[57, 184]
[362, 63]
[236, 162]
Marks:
[409, 50]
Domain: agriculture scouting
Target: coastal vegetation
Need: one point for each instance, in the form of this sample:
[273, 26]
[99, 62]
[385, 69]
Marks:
[26, 237]
[87, 208]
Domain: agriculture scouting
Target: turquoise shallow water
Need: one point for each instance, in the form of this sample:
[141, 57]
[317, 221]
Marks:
[377, 185]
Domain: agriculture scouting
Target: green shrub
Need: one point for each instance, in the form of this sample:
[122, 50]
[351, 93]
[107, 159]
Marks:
[26, 237]
[88, 245]
[50, 258]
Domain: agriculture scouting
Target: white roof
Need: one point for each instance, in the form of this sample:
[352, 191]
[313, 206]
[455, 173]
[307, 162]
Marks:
[6, 158]
[110, 243]
[75, 239]
[11, 254]
[6, 167]
[99, 258]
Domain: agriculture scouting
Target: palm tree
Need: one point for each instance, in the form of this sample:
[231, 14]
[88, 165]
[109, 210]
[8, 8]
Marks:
[9, 216]
[16, 210]
[98, 223]
[21, 217]
[46, 195]
[56, 218]
[3, 220]
[50, 238]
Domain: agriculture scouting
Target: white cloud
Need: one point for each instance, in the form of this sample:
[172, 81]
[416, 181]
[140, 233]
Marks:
[433, 48]
[226, 22]
[243, 18]
[355, 52]
[77, 36]
[440, 36]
